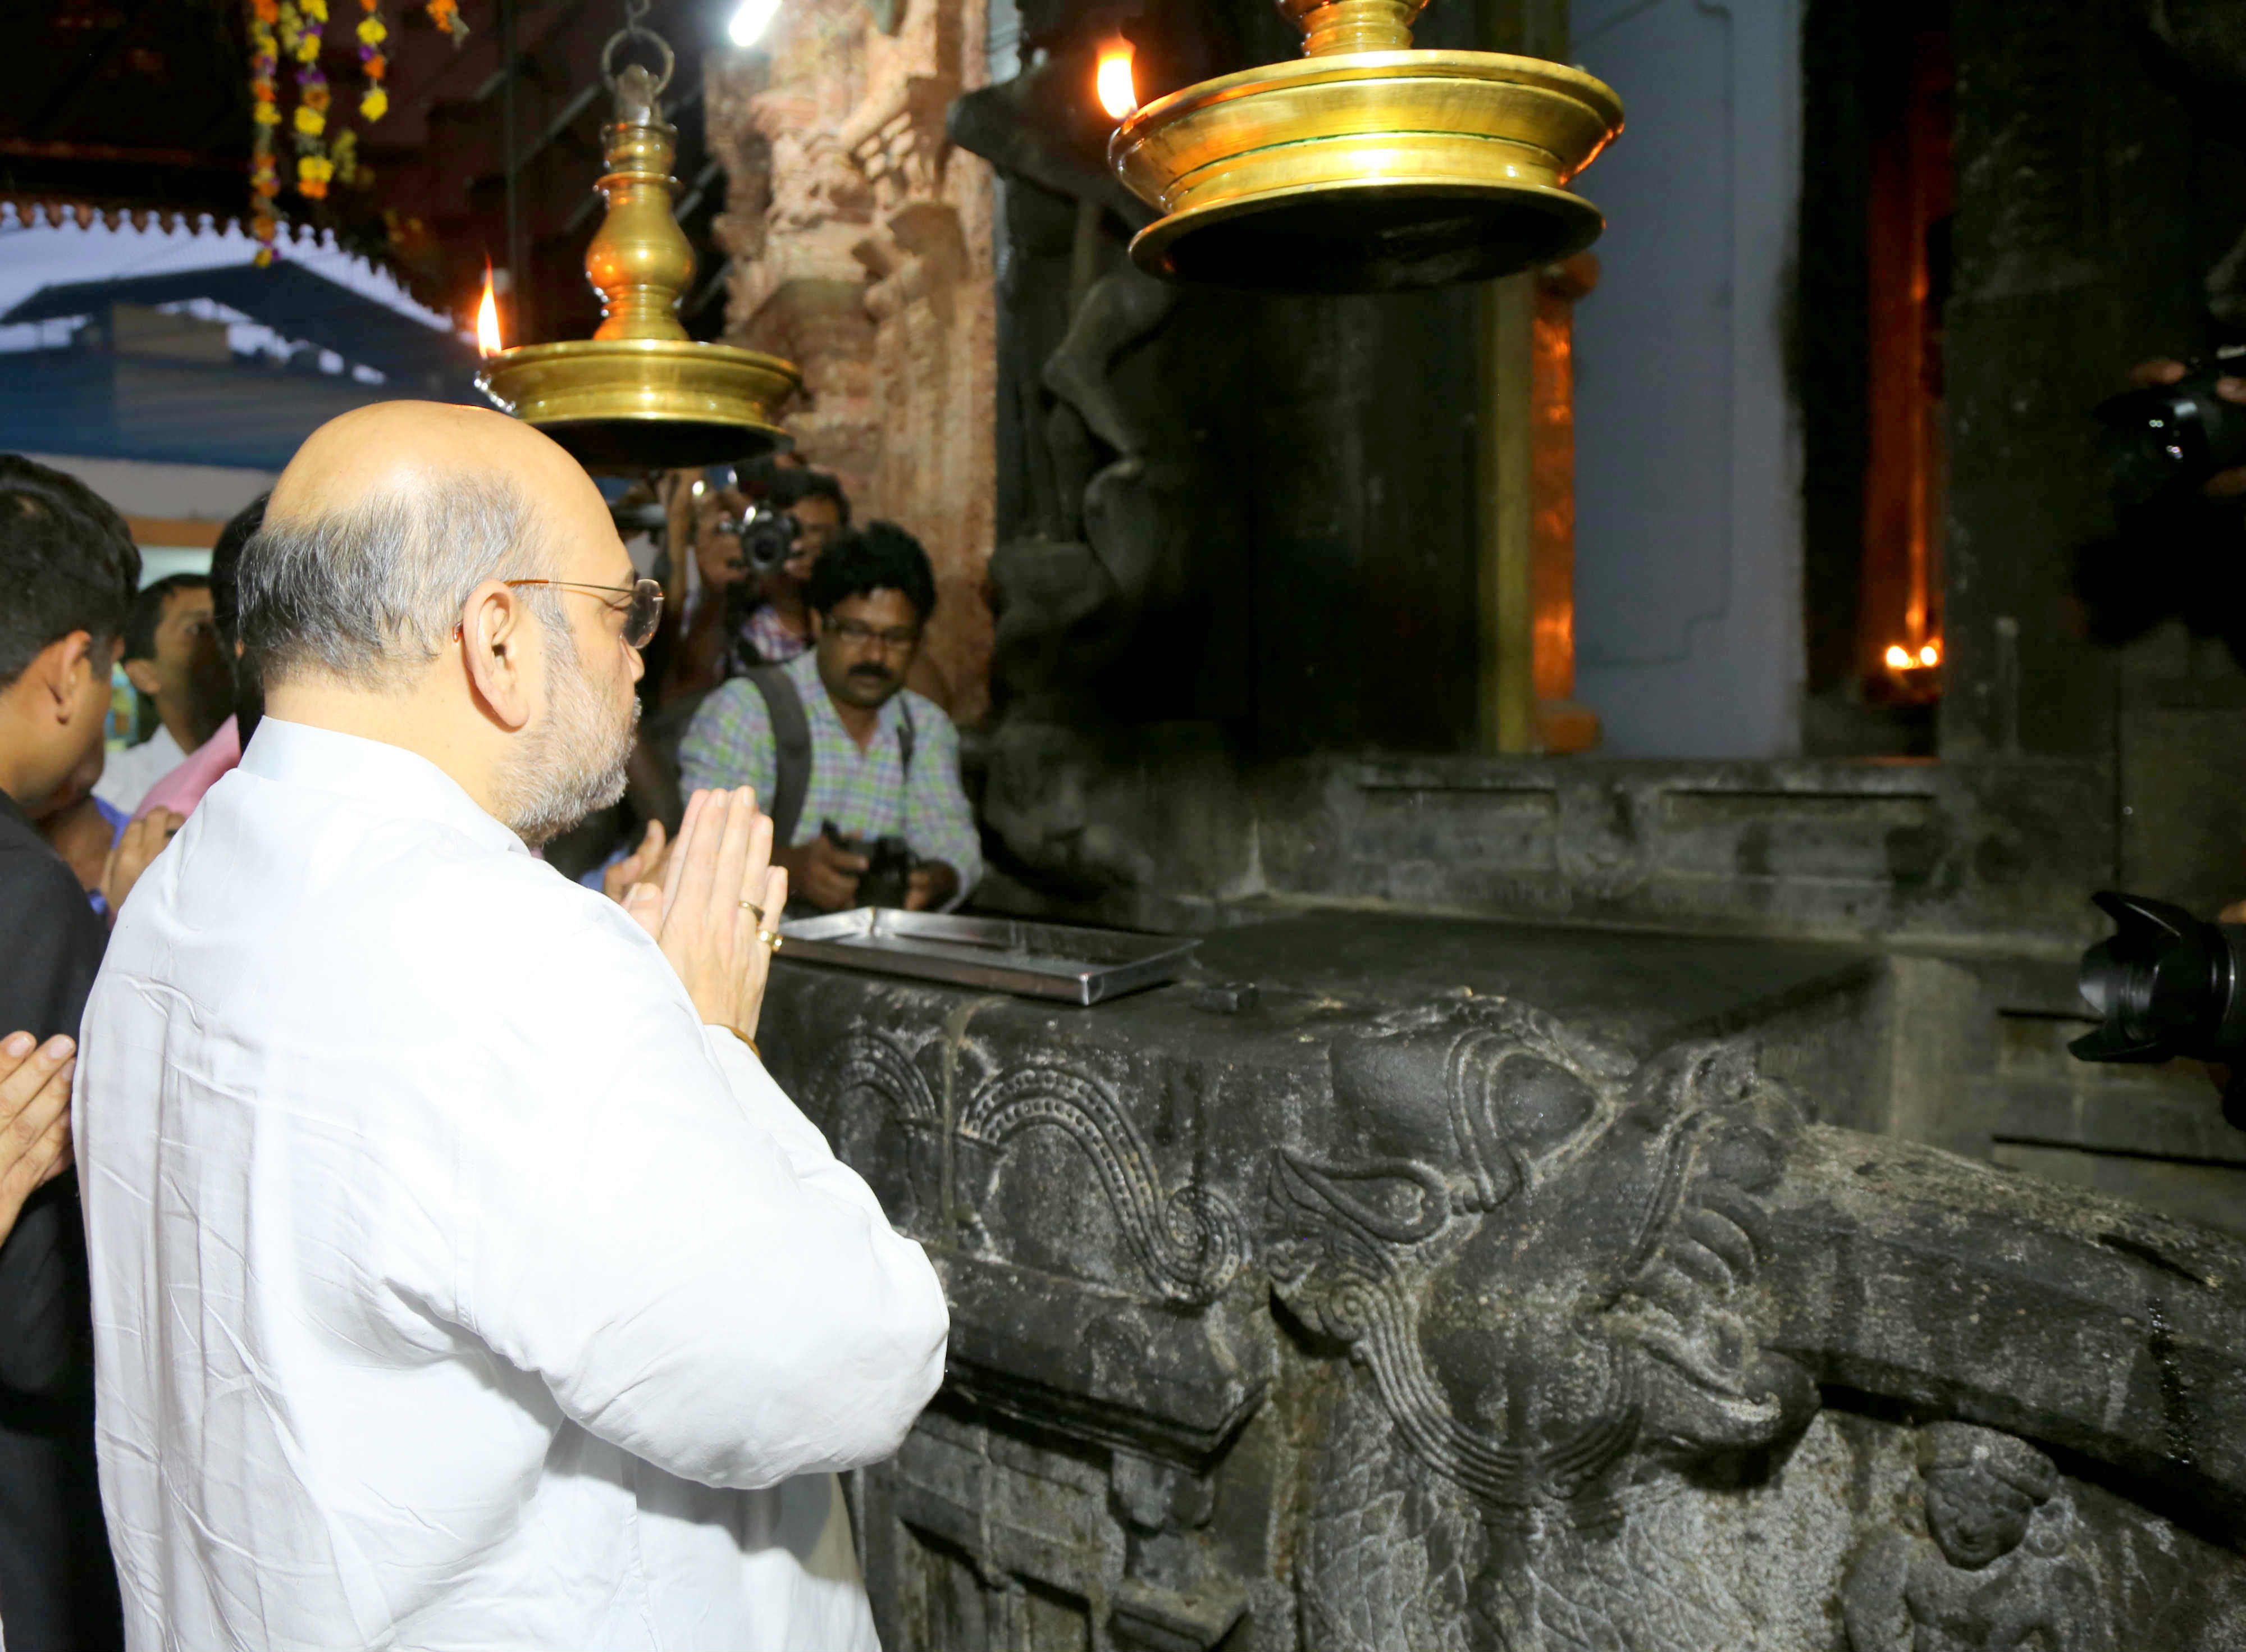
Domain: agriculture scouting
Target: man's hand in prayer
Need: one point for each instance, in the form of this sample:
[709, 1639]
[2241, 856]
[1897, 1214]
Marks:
[35, 1093]
[719, 890]
[643, 864]
[931, 884]
[129, 856]
[825, 872]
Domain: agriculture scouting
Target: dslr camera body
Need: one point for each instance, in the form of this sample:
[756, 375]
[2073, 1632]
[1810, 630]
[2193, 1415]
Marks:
[887, 877]
[2167, 439]
[2172, 551]
[767, 533]
[768, 536]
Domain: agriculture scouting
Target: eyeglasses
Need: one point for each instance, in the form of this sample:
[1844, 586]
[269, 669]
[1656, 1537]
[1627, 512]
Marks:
[902, 637]
[643, 604]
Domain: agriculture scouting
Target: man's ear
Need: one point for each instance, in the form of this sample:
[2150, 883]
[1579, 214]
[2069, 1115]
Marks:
[818, 623]
[60, 670]
[141, 674]
[494, 625]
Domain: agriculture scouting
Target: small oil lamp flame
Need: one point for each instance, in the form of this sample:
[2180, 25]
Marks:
[1925, 657]
[1118, 95]
[487, 338]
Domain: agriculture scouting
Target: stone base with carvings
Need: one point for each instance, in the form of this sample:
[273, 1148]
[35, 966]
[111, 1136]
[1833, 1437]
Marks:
[1476, 1287]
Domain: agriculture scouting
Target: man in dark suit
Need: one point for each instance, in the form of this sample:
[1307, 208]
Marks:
[69, 569]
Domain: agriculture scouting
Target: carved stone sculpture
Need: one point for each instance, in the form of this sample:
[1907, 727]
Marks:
[1298, 1320]
[2003, 1562]
[1537, 1398]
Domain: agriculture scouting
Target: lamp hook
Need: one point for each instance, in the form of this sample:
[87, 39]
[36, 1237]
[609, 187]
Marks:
[635, 28]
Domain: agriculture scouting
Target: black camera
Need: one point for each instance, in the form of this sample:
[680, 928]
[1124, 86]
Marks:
[2170, 439]
[2172, 552]
[887, 876]
[768, 536]
[2164, 984]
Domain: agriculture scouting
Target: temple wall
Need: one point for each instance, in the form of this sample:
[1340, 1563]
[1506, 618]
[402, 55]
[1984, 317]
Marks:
[861, 251]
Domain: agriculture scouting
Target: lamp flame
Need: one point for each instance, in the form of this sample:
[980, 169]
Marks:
[1119, 95]
[487, 338]
[1901, 657]
[1931, 655]
[1898, 658]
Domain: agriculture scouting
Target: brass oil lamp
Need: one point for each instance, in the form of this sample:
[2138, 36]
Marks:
[1366, 164]
[640, 395]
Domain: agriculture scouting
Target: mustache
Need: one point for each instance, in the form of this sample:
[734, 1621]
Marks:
[878, 673]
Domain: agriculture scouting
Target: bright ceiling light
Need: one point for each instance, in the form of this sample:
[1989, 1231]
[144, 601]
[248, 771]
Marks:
[751, 18]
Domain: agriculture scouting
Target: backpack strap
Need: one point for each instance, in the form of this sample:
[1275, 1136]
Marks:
[792, 749]
[907, 737]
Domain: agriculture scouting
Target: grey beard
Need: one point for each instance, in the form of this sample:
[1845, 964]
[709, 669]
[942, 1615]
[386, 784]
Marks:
[576, 760]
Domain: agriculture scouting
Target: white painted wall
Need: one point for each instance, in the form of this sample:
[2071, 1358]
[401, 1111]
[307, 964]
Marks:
[201, 492]
[1688, 532]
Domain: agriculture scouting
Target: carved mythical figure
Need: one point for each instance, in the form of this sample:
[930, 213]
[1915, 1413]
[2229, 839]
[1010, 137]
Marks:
[1552, 1283]
[1571, 1297]
[2001, 1564]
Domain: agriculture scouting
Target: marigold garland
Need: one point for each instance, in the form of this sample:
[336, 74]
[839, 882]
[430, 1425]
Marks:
[374, 101]
[303, 23]
[294, 28]
[265, 115]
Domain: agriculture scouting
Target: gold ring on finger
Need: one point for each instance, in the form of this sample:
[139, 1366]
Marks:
[770, 938]
[751, 905]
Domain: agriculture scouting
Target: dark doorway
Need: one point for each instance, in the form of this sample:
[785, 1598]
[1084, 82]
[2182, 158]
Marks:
[1874, 278]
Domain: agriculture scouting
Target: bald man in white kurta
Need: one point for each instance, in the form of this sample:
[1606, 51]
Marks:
[454, 1285]
[460, 1278]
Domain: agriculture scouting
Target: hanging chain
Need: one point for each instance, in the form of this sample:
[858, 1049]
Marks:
[636, 28]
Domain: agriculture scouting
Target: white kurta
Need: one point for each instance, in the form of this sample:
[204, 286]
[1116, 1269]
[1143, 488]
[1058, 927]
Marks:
[453, 1286]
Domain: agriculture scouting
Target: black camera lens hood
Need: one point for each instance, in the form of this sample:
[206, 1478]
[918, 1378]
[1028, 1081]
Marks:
[2164, 984]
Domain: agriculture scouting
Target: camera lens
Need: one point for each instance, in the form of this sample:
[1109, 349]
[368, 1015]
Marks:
[2164, 984]
[767, 537]
[2153, 439]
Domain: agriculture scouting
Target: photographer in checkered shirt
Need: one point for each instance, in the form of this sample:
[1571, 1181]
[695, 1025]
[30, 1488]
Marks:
[834, 738]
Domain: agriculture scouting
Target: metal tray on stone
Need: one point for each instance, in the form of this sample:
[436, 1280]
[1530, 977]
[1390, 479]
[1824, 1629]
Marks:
[1077, 965]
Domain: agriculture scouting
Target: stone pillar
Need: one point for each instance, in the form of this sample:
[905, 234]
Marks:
[861, 251]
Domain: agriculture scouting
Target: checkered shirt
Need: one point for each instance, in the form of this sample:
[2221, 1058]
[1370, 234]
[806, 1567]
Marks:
[767, 636]
[865, 793]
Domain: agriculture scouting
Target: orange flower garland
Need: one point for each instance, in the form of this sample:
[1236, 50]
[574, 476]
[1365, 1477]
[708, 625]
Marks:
[295, 28]
[265, 115]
